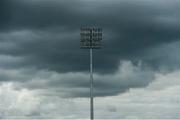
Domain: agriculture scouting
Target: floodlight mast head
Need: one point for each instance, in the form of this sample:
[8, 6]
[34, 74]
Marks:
[91, 37]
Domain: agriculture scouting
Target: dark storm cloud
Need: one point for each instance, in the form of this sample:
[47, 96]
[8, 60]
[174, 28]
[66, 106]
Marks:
[4, 14]
[129, 27]
[44, 35]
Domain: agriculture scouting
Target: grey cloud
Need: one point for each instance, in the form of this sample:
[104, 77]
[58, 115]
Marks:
[164, 57]
[153, 101]
[77, 84]
[50, 83]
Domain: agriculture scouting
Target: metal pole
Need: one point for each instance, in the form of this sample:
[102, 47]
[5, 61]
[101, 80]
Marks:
[91, 87]
[91, 39]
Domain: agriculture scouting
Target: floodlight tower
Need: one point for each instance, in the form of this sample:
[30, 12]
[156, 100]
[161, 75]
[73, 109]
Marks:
[91, 38]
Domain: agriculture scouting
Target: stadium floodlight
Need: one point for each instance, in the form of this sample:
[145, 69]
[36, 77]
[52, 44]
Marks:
[91, 38]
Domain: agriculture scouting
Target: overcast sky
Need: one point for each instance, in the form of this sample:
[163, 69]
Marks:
[45, 74]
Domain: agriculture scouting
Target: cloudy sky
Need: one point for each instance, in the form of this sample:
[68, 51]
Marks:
[45, 74]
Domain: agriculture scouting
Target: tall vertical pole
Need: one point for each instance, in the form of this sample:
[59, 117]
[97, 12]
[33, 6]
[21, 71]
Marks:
[91, 86]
